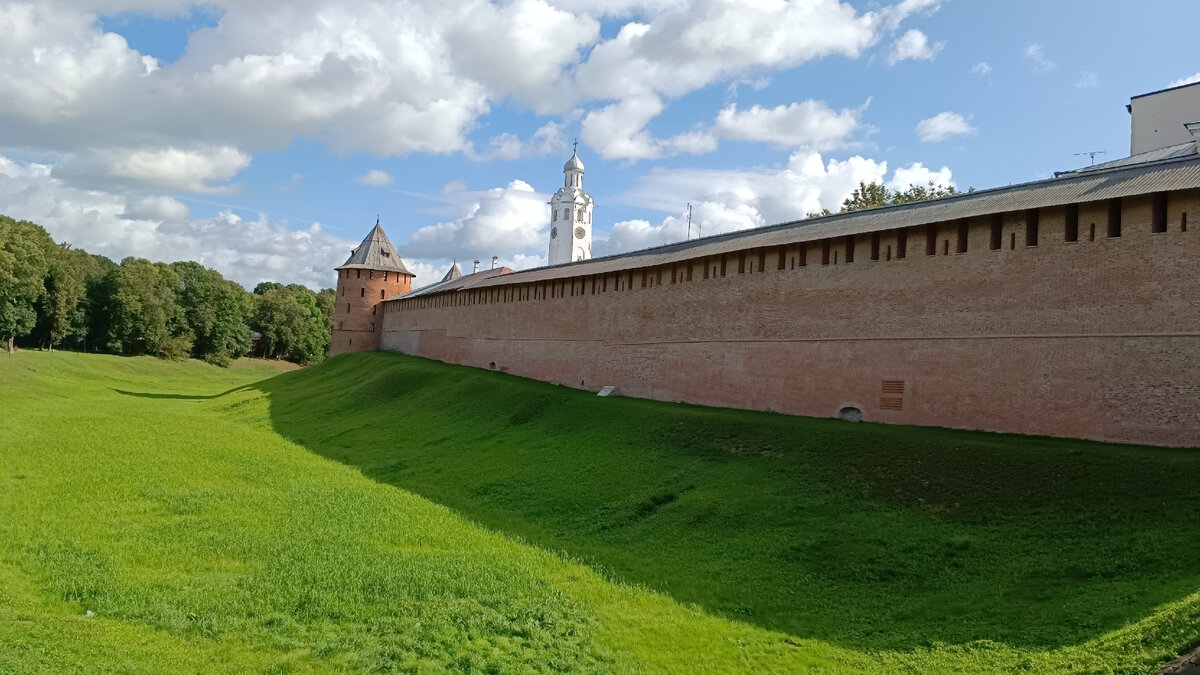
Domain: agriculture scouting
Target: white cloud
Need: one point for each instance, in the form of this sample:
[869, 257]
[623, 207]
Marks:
[196, 169]
[1088, 80]
[1185, 80]
[1036, 54]
[725, 201]
[913, 45]
[618, 131]
[942, 126]
[982, 69]
[810, 124]
[917, 174]
[159, 227]
[501, 221]
[548, 139]
[157, 208]
[377, 177]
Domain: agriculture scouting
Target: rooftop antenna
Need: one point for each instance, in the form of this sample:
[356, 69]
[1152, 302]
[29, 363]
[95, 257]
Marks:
[689, 220]
[1091, 155]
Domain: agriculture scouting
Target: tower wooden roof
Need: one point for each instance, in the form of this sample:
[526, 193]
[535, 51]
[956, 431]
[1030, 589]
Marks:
[376, 253]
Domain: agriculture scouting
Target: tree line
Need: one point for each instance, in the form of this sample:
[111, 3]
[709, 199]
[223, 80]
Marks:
[55, 296]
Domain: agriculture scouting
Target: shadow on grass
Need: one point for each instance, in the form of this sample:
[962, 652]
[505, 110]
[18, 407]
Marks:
[183, 397]
[867, 536]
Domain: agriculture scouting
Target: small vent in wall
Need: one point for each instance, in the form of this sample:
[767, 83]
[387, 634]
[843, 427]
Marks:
[892, 395]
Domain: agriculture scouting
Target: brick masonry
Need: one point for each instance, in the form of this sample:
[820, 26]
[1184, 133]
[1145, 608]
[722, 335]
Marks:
[358, 313]
[1093, 339]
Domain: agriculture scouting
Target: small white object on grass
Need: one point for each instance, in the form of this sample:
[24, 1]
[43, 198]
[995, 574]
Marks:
[607, 391]
[90, 614]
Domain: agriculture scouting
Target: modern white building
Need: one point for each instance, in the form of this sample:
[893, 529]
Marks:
[571, 217]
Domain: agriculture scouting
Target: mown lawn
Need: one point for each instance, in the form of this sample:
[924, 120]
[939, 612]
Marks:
[190, 510]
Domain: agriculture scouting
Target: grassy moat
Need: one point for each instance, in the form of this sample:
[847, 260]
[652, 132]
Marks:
[380, 512]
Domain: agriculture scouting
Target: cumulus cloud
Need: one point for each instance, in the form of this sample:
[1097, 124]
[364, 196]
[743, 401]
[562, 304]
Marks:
[501, 221]
[1088, 80]
[377, 177]
[1036, 54]
[913, 45]
[548, 139]
[810, 124]
[918, 174]
[160, 227]
[1186, 80]
[197, 169]
[942, 126]
[725, 201]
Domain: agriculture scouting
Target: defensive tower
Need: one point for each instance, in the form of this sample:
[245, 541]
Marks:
[373, 271]
[571, 216]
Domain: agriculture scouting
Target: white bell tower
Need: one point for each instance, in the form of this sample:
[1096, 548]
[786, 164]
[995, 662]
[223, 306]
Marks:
[571, 216]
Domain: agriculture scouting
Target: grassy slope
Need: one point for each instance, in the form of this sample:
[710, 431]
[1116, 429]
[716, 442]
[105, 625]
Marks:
[163, 497]
[890, 540]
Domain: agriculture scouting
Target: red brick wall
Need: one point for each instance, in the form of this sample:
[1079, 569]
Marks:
[358, 312]
[1095, 339]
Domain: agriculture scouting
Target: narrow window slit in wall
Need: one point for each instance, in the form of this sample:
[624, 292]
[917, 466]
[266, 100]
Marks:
[875, 246]
[1092, 233]
[1071, 229]
[997, 232]
[1183, 222]
[803, 254]
[1114, 218]
[1158, 213]
[362, 292]
[1012, 241]
[782, 257]
[1031, 227]
[762, 259]
[723, 261]
[825, 252]
[902, 244]
[689, 272]
[946, 247]
[835, 257]
[889, 252]
[742, 262]
[658, 277]
[961, 246]
[849, 249]
[931, 239]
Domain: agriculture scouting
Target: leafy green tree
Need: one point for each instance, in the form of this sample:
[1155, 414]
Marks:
[23, 269]
[874, 195]
[292, 325]
[215, 312]
[327, 302]
[65, 288]
[264, 286]
[89, 320]
[142, 307]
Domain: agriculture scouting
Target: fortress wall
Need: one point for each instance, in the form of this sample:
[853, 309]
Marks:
[1094, 339]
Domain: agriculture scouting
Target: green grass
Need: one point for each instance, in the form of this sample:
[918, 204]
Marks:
[233, 520]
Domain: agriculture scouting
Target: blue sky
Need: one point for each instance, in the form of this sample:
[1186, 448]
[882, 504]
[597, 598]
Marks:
[242, 135]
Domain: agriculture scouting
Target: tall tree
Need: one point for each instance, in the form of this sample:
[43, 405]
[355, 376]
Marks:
[142, 307]
[23, 269]
[65, 287]
[215, 312]
[292, 325]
